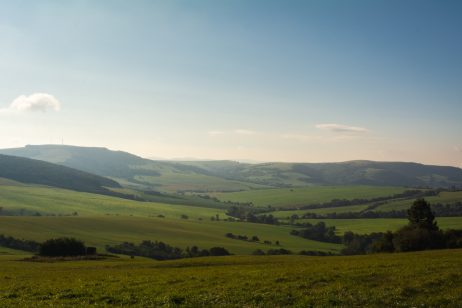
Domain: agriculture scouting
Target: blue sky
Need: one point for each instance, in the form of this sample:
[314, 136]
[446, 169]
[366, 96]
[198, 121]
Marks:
[258, 80]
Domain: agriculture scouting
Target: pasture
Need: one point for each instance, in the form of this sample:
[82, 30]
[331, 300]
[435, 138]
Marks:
[99, 231]
[297, 196]
[444, 197]
[33, 199]
[369, 225]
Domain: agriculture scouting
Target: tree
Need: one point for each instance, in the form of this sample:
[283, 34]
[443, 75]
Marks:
[422, 232]
[410, 238]
[219, 251]
[420, 215]
[384, 244]
[62, 247]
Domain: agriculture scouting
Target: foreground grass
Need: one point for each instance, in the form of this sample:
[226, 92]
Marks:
[413, 279]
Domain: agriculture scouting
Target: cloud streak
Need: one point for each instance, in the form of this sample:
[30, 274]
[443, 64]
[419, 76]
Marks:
[340, 128]
[37, 102]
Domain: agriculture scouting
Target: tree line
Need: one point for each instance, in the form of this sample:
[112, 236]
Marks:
[161, 251]
[19, 244]
[408, 194]
[421, 233]
[250, 214]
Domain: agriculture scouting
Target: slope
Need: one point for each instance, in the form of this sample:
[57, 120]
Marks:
[26, 170]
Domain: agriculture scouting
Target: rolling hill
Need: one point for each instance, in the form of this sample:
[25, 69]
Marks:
[208, 176]
[25, 170]
[131, 170]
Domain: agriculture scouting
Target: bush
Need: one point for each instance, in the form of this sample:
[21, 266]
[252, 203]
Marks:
[62, 247]
[412, 238]
[280, 251]
[219, 251]
[258, 252]
[161, 251]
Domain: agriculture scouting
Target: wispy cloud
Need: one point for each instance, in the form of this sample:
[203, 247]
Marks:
[340, 128]
[41, 102]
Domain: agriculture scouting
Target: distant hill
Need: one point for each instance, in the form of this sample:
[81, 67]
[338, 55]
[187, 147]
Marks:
[344, 173]
[171, 176]
[99, 161]
[131, 170]
[33, 171]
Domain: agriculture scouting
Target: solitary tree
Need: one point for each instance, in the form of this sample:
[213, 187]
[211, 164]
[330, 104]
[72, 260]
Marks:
[420, 215]
[422, 232]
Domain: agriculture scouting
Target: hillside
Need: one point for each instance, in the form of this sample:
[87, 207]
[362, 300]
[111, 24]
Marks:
[208, 176]
[27, 170]
[131, 170]
[359, 172]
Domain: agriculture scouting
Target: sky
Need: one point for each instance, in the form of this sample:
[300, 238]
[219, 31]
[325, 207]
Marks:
[253, 80]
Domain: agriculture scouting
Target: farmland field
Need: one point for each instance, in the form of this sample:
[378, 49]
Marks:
[327, 210]
[443, 197]
[48, 200]
[408, 279]
[99, 231]
[368, 225]
[284, 197]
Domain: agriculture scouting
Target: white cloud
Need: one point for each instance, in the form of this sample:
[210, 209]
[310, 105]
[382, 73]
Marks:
[32, 103]
[339, 128]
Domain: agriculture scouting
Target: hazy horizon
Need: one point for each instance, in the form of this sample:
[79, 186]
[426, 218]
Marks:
[243, 160]
[297, 81]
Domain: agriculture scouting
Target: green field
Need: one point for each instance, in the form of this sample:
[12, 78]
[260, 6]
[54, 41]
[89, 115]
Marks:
[443, 197]
[327, 210]
[99, 231]
[47, 200]
[288, 197]
[171, 180]
[421, 279]
[380, 224]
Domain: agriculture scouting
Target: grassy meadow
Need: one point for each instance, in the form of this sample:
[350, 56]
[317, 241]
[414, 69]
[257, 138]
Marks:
[443, 197]
[48, 200]
[364, 225]
[173, 181]
[327, 210]
[389, 280]
[105, 220]
[289, 197]
[99, 231]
